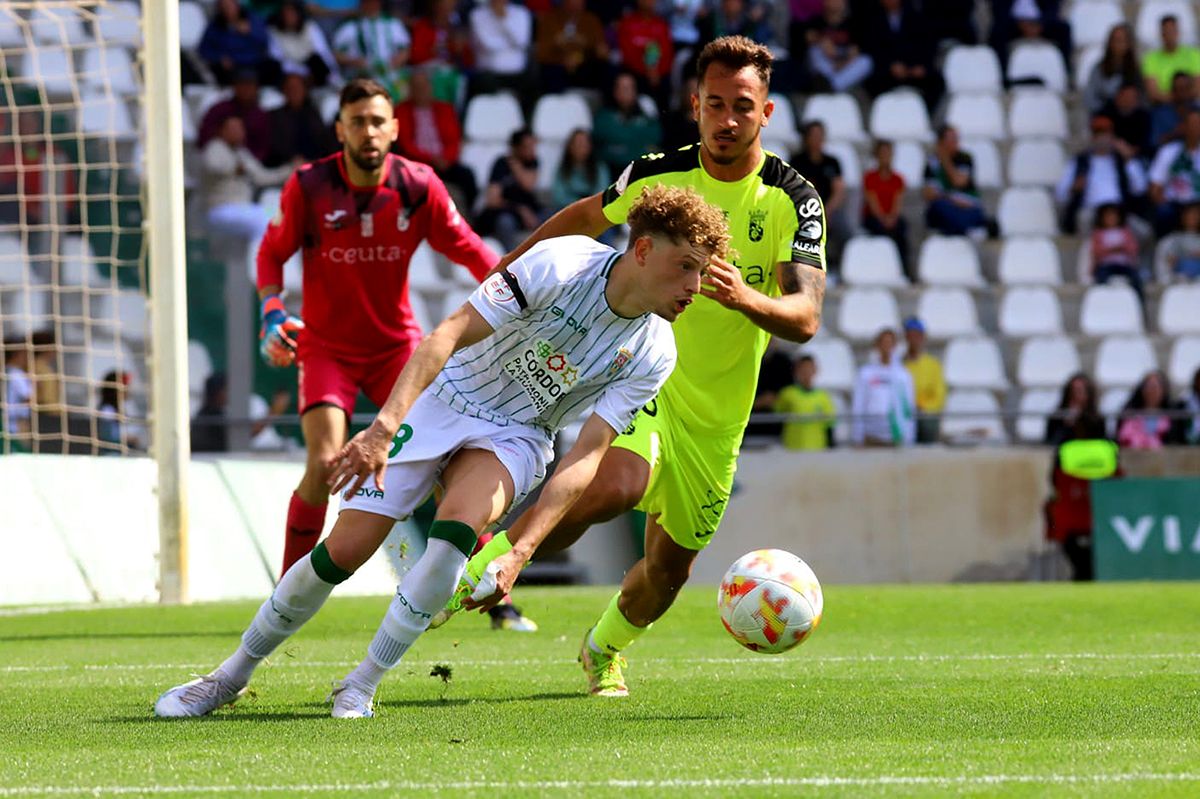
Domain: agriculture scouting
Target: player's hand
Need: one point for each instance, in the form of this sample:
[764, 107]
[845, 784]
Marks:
[723, 282]
[277, 337]
[364, 456]
[496, 583]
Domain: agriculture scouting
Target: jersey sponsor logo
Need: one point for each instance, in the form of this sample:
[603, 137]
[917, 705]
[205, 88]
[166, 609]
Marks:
[812, 229]
[368, 225]
[369, 493]
[811, 207]
[623, 181]
[497, 289]
[756, 224]
[546, 375]
[333, 219]
[359, 255]
[572, 322]
[618, 363]
[807, 246]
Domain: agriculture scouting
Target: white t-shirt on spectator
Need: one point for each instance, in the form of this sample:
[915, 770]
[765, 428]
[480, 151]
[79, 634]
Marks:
[18, 392]
[1177, 171]
[501, 43]
[1103, 185]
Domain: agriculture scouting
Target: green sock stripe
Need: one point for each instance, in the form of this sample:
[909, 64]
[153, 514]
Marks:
[460, 534]
[325, 568]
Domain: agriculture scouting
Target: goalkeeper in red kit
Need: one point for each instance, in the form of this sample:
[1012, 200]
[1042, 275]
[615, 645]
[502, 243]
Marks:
[358, 215]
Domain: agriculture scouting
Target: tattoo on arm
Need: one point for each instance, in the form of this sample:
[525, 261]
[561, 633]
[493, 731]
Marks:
[797, 278]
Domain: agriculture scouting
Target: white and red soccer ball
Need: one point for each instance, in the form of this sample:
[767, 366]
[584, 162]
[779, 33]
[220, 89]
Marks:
[770, 601]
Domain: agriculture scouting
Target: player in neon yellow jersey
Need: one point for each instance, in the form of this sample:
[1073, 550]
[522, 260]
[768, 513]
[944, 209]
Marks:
[676, 461]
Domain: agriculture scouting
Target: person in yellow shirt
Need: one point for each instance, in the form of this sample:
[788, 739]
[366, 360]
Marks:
[928, 384]
[802, 399]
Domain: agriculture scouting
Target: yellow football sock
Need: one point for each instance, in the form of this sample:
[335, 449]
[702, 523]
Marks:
[613, 632]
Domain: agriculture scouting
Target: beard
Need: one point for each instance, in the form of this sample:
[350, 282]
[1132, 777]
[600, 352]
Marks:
[364, 162]
[731, 156]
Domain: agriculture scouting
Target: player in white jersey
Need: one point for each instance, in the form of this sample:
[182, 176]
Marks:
[570, 328]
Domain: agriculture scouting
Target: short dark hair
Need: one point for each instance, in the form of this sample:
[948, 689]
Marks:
[806, 358]
[518, 136]
[1165, 18]
[943, 129]
[736, 52]
[362, 89]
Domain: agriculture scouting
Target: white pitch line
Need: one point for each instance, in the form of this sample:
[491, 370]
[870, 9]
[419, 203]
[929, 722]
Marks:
[576, 785]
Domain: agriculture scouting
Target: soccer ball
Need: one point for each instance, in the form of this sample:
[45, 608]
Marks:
[770, 601]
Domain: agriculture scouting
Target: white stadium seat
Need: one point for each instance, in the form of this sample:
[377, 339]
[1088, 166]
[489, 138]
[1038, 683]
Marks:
[117, 22]
[1037, 112]
[949, 261]
[1036, 405]
[988, 172]
[421, 311]
[423, 272]
[1030, 311]
[948, 312]
[50, 68]
[192, 23]
[480, 156]
[1184, 360]
[78, 265]
[1148, 25]
[58, 25]
[872, 261]
[1179, 310]
[908, 159]
[26, 309]
[1026, 260]
[1040, 61]
[109, 67]
[847, 157]
[549, 155]
[200, 366]
[1123, 360]
[863, 312]
[781, 128]
[1027, 212]
[900, 114]
[11, 35]
[972, 417]
[835, 362]
[1046, 361]
[556, 115]
[977, 116]
[1091, 22]
[974, 363]
[14, 265]
[1085, 61]
[974, 69]
[270, 98]
[1110, 309]
[1111, 403]
[1036, 162]
[133, 315]
[330, 105]
[105, 115]
[492, 118]
[840, 115]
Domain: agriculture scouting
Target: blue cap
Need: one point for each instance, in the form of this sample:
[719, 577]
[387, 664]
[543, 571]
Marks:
[913, 323]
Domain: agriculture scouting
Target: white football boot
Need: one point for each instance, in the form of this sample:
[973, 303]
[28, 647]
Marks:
[350, 701]
[199, 697]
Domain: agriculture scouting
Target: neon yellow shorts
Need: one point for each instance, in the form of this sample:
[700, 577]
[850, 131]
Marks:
[690, 475]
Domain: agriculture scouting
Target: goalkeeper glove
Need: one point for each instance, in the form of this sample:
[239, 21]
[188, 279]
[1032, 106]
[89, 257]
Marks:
[277, 338]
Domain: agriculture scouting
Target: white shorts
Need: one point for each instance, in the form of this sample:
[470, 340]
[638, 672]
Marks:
[432, 433]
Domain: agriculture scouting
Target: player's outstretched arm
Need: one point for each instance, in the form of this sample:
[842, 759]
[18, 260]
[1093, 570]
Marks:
[581, 218]
[366, 453]
[573, 475]
[795, 316]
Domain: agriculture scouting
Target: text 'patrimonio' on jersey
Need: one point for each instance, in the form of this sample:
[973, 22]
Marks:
[775, 216]
[558, 349]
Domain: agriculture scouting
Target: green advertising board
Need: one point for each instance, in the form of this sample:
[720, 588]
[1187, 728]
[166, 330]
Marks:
[1146, 528]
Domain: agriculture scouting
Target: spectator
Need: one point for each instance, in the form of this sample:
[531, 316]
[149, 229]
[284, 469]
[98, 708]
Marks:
[834, 55]
[571, 49]
[501, 33]
[685, 16]
[1115, 249]
[1076, 416]
[950, 20]
[1118, 67]
[231, 175]
[511, 205]
[644, 40]
[1175, 175]
[882, 407]
[442, 44]
[1100, 175]
[1166, 119]
[1160, 66]
[1029, 21]
[883, 203]
[429, 132]
[374, 44]
[929, 387]
[210, 430]
[1131, 121]
[1150, 420]
[236, 39]
[802, 399]
[243, 105]
[955, 208]
[774, 375]
[902, 54]
[679, 128]
[736, 18]
[302, 44]
[112, 426]
[580, 172]
[299, 133]
[18, 388]
[37, 178]
[623, 132]
[1192, 405]
[824, 171]
[1179, 253]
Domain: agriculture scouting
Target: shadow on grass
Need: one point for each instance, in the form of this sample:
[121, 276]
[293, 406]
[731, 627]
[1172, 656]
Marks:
[91, 636]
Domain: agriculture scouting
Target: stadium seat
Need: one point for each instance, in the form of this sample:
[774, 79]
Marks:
[972, 417]
[1036, 405]
[1151, 12]
[14, 265]
[1037, 112]
[1179, 310]
[1110, 405]
[900, 114]
[949, 261]
[423, 272]
[872, 261]
[977, 116]
[330, 105]
[11, 36]
[1184, 360]
[863, 312]
[972, 69]
[1091, 21]
[1030, 311]
[835, 362]
[847, 157]
[133, 315]
[1110, 309]
[25, 310]
[908, 159]
[556, 115]
[200, 366]
[58, 25]
[974, 362]
[841, 408]
[492, 118]
[109, 67]
[48, 68]
[781, 135]
[1040, 61]
[1029, 260]
[480, 156]
[270, 98]
[1085, 61]
[78, 265]
[1036, 162]
[840, 115]
[648, 105]
[188, 129]
[1122, 360]
[985, 154]
[549, 155]
[1046, 361]
[117, 22]
[268, 200]
[421, 311]
[192, 23]
[105, 116]
[948, 312]
[1027, 212]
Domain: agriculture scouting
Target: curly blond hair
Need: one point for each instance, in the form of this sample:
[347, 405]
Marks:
[681, 215]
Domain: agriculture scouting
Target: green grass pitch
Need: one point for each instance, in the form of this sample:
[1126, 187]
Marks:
[1006, 690]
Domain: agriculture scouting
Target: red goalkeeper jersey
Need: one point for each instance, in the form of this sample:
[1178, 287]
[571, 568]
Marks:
[357, 245]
